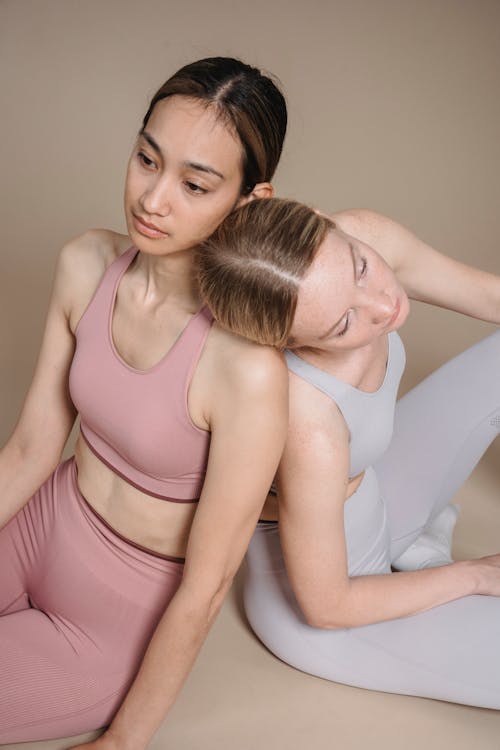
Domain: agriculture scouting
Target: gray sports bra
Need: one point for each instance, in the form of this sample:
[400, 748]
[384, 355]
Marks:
[369, 416]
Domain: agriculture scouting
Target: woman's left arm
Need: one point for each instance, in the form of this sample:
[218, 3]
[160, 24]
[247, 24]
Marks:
[248, 424]
[426, 274]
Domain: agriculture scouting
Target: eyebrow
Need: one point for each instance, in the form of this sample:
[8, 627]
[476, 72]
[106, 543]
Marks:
[190, 164]
[334, 326]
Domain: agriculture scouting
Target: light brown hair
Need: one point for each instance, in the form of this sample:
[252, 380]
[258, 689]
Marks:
[249, 102]
[249, 269]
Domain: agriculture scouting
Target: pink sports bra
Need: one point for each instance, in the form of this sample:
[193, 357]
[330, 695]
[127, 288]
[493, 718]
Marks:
[137, 421]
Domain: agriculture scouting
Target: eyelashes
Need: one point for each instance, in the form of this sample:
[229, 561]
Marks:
[345, 328]
[364, 268]
[144, 159]
[192, 187]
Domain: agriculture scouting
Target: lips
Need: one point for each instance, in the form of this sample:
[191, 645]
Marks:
[147, 229]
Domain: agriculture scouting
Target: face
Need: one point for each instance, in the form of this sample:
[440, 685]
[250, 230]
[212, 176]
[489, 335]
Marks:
[348, 297]
[184, 177]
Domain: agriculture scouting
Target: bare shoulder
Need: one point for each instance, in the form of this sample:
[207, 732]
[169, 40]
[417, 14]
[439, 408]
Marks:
[316, 457]
[245, 364]
[91, 252]
[315, 418]
[374, 229]
[356, 221]
[81, 265]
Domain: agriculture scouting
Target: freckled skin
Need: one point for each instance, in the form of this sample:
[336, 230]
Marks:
[334, 288]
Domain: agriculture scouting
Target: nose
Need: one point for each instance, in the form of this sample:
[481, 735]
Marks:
[381, 308]
[157, 198]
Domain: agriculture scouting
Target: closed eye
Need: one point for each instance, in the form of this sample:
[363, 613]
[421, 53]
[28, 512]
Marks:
[345, 328]
[362, 272]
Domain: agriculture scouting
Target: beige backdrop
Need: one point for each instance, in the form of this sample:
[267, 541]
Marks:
[393, 105]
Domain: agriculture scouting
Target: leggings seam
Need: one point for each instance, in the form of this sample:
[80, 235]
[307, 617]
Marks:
[5, 613]
[419, 665]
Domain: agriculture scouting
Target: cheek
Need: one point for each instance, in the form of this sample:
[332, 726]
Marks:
[388, 278]
[207, 219]
[130, 183]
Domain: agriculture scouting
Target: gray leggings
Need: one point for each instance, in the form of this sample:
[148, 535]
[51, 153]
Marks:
[452, 652]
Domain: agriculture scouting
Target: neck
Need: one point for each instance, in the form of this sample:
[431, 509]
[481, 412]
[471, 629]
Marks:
[169, 278]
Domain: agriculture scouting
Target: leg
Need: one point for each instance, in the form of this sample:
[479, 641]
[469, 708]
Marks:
[66, 663]
[47, 689]
[442, 428]
[14, 564]
[448, 653]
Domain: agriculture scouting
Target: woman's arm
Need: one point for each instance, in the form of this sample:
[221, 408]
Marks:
[312, 483]
[248, 423]
[426, 274]
[35, 446]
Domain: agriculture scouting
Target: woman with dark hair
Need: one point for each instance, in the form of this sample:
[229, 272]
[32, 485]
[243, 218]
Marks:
[115, 563]
[365, 484]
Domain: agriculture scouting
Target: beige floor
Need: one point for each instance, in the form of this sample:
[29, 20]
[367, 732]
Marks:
[241, 697]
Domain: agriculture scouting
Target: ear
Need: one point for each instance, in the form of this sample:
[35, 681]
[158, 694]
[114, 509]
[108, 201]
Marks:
[261, 190]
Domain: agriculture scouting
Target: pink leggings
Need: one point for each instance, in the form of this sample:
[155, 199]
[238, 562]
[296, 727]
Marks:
[78, 606]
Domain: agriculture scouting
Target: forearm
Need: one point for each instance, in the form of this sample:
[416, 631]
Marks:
[371, 599]
[21, 474]
[166, 665]
[426, 274]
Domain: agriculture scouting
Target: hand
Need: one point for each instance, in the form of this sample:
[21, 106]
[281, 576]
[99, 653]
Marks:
[105, 742]
[99, 744]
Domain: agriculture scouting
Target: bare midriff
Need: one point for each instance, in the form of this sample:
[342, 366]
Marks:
[270, 509]
[159, 525]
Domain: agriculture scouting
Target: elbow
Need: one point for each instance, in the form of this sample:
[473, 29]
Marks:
[203, 604]
[28, 449]
[43, 457]
[20, 453]
[325, 617]
[218, 596]
[323, 621]
[328, 614]
[316, 620]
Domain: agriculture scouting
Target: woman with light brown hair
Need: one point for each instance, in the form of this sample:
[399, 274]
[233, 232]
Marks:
[365, 484]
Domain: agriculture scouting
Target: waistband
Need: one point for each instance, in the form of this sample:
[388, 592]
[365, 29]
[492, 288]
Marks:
[108, 530]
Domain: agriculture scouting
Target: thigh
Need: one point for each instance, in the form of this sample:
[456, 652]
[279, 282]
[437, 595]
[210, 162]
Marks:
[47, 689]
[448, 653]
[22, 547]
[442, 428]
[13, 596]
[96, 587]
[96, 601]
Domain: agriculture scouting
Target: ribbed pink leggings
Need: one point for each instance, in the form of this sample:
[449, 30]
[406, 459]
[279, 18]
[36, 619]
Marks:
[78, 605]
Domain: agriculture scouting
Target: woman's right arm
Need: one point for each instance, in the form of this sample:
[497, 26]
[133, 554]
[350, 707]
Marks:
[312, 481]
[35, 446]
